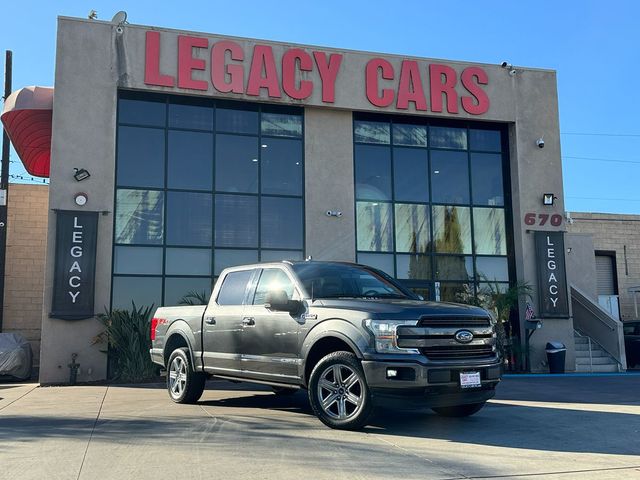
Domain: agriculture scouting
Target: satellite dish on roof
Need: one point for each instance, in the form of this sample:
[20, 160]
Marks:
[119, 18]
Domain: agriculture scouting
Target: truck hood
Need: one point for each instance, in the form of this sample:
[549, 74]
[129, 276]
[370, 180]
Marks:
[401, 308]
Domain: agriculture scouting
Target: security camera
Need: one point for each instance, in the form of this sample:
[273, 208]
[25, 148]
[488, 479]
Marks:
[119, 30]
[540, 142]
[506, 65]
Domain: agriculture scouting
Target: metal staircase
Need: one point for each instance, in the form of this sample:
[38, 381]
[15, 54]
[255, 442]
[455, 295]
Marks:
[591, 357]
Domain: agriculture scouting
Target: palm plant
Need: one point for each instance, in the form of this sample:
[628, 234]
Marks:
[128, 339]
[194, 298]
[501, 302]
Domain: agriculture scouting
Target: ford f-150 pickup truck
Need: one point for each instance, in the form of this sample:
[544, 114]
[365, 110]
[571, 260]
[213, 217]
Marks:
[349, 334]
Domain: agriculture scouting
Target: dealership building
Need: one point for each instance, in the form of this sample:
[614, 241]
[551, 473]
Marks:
[176, 154]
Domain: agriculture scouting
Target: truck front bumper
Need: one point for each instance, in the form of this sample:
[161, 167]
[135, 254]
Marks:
[428, 386]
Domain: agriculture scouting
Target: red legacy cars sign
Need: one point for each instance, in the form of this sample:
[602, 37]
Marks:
[430, 89]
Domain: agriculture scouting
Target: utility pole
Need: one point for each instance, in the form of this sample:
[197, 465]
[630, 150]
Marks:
[4, 184]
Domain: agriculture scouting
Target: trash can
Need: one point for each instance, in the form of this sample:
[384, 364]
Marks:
[556, 352]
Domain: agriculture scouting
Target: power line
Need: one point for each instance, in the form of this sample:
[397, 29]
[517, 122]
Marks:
[597, 159]
[27, 178]
[608, 199]
[600, 134]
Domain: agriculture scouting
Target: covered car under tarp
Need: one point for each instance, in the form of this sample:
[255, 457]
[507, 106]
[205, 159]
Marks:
[16, 357]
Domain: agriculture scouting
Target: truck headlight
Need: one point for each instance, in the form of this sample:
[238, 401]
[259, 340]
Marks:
[386, 336]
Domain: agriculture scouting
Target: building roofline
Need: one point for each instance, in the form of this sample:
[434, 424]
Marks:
[289, 44]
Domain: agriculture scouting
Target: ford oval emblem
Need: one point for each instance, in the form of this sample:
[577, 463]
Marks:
[463, 336]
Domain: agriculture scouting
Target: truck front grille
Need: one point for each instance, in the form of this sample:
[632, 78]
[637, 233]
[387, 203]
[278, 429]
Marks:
[435, 337]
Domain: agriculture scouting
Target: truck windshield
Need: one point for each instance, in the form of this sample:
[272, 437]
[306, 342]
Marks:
[331, 280]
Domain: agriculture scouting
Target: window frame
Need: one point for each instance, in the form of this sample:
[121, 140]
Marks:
[166, 100]
[503, 129]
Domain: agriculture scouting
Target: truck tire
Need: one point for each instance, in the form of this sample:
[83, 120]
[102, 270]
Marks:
[338, 392]
[459, 410]
[183, 384]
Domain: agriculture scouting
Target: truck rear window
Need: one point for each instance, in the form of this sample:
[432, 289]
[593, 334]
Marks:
[234, 287]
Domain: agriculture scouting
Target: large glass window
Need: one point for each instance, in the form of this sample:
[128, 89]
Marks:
[202, 185]
[430, 204]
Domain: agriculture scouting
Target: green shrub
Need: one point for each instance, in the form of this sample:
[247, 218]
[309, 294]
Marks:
[127, 334]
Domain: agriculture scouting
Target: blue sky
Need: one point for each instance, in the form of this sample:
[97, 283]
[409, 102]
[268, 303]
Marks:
[594, 46]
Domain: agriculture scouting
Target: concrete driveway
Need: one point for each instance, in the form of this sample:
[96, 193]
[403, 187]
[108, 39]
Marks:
[542, 427]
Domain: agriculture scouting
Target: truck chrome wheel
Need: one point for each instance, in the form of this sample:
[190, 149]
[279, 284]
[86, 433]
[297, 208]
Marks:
[340, 392]
[177, 377]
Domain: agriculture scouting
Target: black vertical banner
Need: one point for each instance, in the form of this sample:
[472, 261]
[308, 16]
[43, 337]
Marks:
[552, 275]
[75, 265]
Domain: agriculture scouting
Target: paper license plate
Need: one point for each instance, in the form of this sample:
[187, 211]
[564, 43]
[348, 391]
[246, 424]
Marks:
[470, 379]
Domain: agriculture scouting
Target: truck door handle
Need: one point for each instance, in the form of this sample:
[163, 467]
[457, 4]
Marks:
[248, 322]
[210, 320]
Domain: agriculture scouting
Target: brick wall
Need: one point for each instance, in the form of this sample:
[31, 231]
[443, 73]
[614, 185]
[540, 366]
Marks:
[612, 232]
[25, 260]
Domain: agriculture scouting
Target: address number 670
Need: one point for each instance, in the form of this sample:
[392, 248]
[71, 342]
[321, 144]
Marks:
[542, 219]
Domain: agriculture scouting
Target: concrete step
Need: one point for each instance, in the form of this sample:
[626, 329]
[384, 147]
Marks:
[596, 368]
[581, 340]
[585, 348]
[594, 353]
[595, 360]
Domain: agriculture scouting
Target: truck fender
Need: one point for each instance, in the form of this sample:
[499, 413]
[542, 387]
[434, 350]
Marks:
[182, 328]
[336, 328]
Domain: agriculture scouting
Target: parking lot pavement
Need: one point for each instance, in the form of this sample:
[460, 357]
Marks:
[552, 428]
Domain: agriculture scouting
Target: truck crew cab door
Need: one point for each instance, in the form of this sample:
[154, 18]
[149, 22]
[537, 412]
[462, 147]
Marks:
[270, 346]
[222, 327]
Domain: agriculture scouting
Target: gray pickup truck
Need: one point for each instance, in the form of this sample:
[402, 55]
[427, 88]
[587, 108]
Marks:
[349, 334]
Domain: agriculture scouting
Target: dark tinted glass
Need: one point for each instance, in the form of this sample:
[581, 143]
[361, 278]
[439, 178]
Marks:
[454, 268]
[375, 227]
[143, 291]
[277, 255]
[193, 117]
[447, 137]
[372, 132]
[449, 177]
[485, 140]
[412, 228]
[188, 218]
[454, 292]
[190, 160]
[138, 260]
[414, 135]
[224, 258]
[139, 216]
[175, 289]
[381, 261]
[188, 261]
[236, 221]
[140, 157]
[142, 112]
[281, 166]
[234, 287]
[236, 164]
[272, 279]
[486, 175]
[411, 174]
[413, 267]
[236, 121]
[373, 172]
[451, 229]
[492, 269]
[279, 124]
[281, 222]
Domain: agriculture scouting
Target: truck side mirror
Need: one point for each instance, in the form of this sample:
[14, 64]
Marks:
[279, 301]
